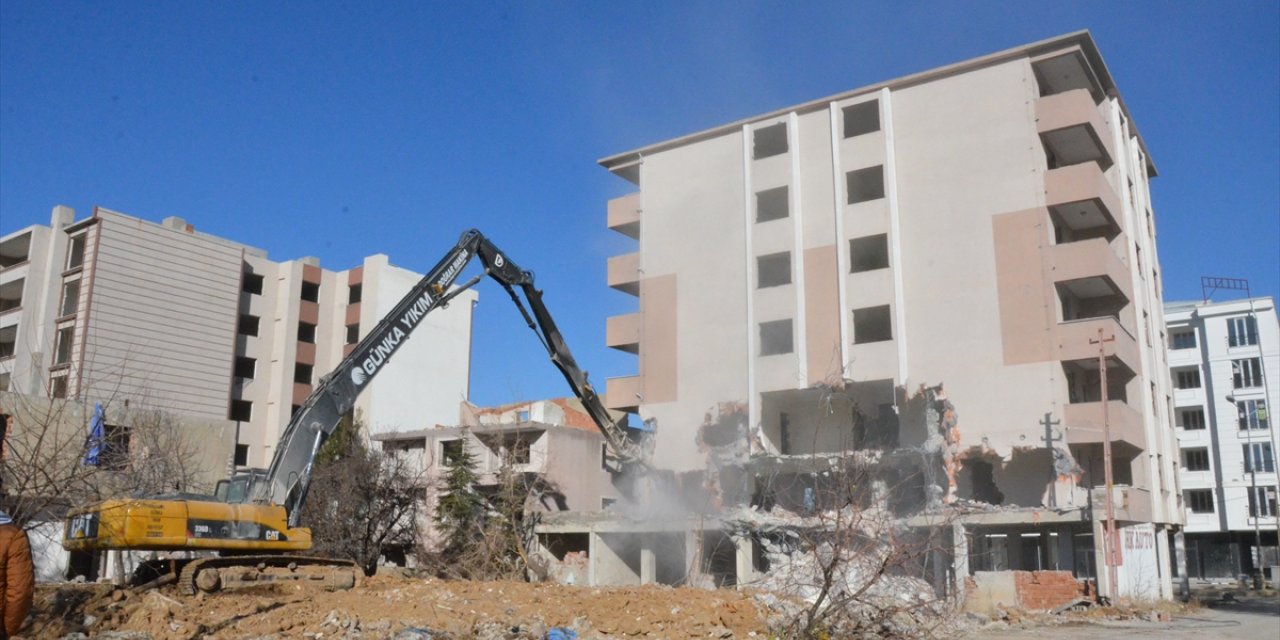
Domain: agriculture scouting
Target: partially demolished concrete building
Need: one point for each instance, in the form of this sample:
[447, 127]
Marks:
[892, 299]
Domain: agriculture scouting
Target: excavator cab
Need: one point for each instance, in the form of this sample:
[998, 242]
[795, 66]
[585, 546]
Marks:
[235, 490]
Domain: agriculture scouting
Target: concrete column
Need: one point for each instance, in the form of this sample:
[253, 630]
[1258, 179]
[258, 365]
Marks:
[648, 567]
[592, 544]
[744, 557]
[1100, 559]
[693, 555]
[1184, 582]
[1162, 557]
[959, 559]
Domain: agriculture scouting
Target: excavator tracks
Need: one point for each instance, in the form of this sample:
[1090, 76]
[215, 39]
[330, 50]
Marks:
[236, 572]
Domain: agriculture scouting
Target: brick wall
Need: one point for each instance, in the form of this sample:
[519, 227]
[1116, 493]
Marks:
[1044, 590]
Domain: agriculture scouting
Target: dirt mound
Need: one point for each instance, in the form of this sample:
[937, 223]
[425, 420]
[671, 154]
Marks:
[386, 607]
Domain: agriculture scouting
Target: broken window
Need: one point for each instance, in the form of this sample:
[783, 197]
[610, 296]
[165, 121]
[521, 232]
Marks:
[241, 411]
[310, 291]
[70, 298]
[775, 337]
[353, 333]
[772, 204]
[306, 332]
[253, 283]
[865, 184]
[861, 118]
[248, 325]
[1195, 459]
[769, 141]
[62, 345]
[354, 293]
[773, 270]
[75, 252]
[1187, 379]
[1182, 339]
[302, 373]
[451, 451]
[1246, 373]
[115, 447]
[784, 434]
[1252, 414]
[242, 455]
[1191, 418]
[872, 324]
[1199, 500]
[246, 367]
[58, 387]
[1242, 331]
[868, 253]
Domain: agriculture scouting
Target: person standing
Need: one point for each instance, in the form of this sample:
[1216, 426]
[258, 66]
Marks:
[17, 576]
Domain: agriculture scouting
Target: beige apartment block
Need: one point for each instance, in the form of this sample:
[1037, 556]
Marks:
[123, 311]
[925, 260]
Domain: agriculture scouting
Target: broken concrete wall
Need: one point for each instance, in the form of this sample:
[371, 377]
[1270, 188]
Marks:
[987, 591]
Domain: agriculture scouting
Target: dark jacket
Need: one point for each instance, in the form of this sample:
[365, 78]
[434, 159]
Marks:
[17, 578]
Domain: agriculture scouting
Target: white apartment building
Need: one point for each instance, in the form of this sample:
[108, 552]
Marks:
[925, 262]
[119, 310]
[1224, 359]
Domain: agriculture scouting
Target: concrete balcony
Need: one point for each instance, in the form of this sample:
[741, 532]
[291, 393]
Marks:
[623, 332]
[1090, 261]
[1072, 130]
[624, 273]
[1073, 338]
[1083, 421]
[624, 215]
[306, 353]
[623, 393]
[309, 312]
[1081, 199]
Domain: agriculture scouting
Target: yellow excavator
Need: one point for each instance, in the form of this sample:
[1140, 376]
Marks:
[252, 521]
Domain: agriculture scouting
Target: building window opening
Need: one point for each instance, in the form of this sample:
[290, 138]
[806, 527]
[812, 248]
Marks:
[246, 367]
[1183, 339]
[869, 253]
[353, 333]
[769, 141]
[294, 409]
[773, 270]
[241, 411]
[772, 204]
[11, 295]
[1257, 458]
[310, 291]
[354, 293]
[75, 252]
[15, 251]
[1191, 419]
[775, 337]
[8, 341]
[1187, 379]
[861, 118]
[1200, 500]
[1242, 331]
[62, 345]
[1195, 459]
[58, 387]
[872, 324]
[242, 455]
[1246, 373]
[306, 332]
[1262, 502]
[115, 447]
[70, 298]
[302, 373]
[1253, 414]
[451, 452]
[253, 283]
[248, 325]
[865, 184]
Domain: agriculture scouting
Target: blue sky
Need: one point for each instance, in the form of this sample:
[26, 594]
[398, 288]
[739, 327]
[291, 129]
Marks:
[345, 129]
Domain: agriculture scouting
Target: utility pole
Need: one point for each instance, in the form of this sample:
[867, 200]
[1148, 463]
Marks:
[1109, 542]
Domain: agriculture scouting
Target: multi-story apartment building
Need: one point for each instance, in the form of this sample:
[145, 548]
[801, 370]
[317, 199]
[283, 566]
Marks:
[1224, 358]
[959, 240]
[115, 309]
